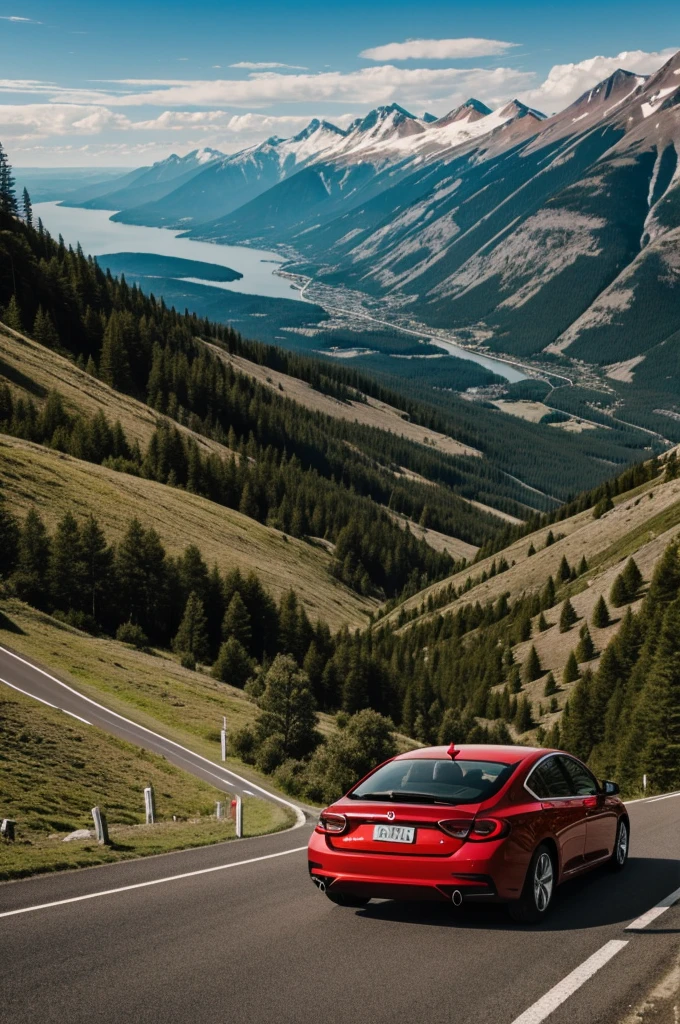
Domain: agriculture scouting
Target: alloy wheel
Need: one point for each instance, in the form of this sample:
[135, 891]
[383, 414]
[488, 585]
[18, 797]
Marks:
[543, 882]
[622, 844]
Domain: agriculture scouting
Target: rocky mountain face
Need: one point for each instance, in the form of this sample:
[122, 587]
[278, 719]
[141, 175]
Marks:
[557, 236]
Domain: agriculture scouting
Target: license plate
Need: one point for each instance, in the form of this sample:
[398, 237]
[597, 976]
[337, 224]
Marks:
[394, 834]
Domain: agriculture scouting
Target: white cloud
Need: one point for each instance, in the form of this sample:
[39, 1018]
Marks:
[261, 65]
[566, 82]
[437, 49]
[13, 17]
[368, 87]
[43, 120]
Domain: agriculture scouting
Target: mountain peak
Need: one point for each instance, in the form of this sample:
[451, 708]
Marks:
[515, 108]
[469, 111]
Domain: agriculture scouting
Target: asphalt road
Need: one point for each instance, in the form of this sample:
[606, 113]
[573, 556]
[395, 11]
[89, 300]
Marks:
[238, 933]
[38, 682]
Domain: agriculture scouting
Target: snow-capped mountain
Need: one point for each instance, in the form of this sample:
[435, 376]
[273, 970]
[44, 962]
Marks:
[147, 184]
[230, 181]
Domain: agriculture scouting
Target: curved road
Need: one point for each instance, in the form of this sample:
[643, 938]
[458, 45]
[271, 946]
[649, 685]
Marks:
[29, 678]
[237, 933]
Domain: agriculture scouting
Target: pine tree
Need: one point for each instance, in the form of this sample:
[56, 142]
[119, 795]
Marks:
[550, 685]
[28, 208]
[568, 616]
[601, 613]
[604, 505]
[618, 595]
[543, 623]
[114, 363]
[658, 708]
[66, 569]
[523, 719]
[9, 540]
[287, 708]
[236, 622]
[44, 330]
[8, 197]
[532, 666]
[571, 671]
[97, 561]
[30, 578]
[583, 566]
[632, 577]
[585, 650]
[248, 505]
[550, 539]
[564, 571]
[548, 595]
[12, 315]
[233, 665]
[531, 551]
[192, 635]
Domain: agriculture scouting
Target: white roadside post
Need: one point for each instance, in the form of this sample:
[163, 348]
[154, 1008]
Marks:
[149, 805]
[218, 809]
[7, 828]
[644, 783]
[239, 817]
[223, 737]
[100, 826]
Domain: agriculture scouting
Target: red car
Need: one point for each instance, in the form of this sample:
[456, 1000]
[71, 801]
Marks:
[478, 823]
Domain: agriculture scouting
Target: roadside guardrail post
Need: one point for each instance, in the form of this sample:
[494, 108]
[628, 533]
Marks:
[100, 827]
[223, 738]
[149, 805]
[218, 809]
[644, 783]
[239, 816]
[7, 828]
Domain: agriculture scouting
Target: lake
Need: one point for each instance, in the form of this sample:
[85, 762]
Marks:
[98, 236]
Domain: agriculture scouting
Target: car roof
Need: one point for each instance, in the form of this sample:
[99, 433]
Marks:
[476, 752]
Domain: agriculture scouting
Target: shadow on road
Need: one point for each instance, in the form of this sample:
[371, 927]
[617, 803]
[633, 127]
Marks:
[596, 899]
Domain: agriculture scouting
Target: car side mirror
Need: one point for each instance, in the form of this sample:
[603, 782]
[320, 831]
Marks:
[610, 788]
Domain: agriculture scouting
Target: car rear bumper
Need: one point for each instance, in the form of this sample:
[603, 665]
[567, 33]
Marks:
[478, 872]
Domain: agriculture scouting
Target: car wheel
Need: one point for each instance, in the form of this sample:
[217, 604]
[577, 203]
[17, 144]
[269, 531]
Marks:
[539, 887]
[620, 854]
[343, 900]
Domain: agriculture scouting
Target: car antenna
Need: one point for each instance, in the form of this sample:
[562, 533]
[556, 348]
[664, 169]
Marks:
[453, 751]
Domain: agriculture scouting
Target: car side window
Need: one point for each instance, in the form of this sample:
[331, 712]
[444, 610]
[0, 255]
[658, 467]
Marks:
[548, 780]
[582, 782]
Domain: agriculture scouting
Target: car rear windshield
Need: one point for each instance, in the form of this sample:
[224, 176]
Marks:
[423, 780]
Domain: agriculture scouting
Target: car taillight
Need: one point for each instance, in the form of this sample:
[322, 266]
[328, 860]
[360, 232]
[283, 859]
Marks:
[457, 829]
[331, 824]
[476, 830]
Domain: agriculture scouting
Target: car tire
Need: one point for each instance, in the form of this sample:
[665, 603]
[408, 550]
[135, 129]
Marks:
[343, 900]
[619, 857]
[539, 888]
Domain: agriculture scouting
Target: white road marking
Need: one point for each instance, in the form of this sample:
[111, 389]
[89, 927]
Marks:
[73, 715]
[300, 818]
[651, 799]
[548, 1003]
[153, 881]
[248, 793]
[27, 694]
[651, 915]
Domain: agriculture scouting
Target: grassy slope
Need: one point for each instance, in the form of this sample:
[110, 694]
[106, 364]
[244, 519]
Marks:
[53, 771]
[33, 370]
[642, 523]
[33, 475]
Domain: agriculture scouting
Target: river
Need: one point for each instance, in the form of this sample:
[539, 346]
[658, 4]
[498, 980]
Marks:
[98, 235]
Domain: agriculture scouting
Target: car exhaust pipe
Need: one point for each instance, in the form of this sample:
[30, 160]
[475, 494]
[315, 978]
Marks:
[456, 897]
[321, 885]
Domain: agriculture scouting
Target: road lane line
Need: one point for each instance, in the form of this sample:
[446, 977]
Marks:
[548, 1003]
[73, 715]
[651, 799]
[153, 881]
[656, 911]
[299, 815]
[27, 694]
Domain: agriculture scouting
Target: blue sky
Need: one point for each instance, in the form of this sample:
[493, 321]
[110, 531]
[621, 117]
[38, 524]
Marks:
[102, 85]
